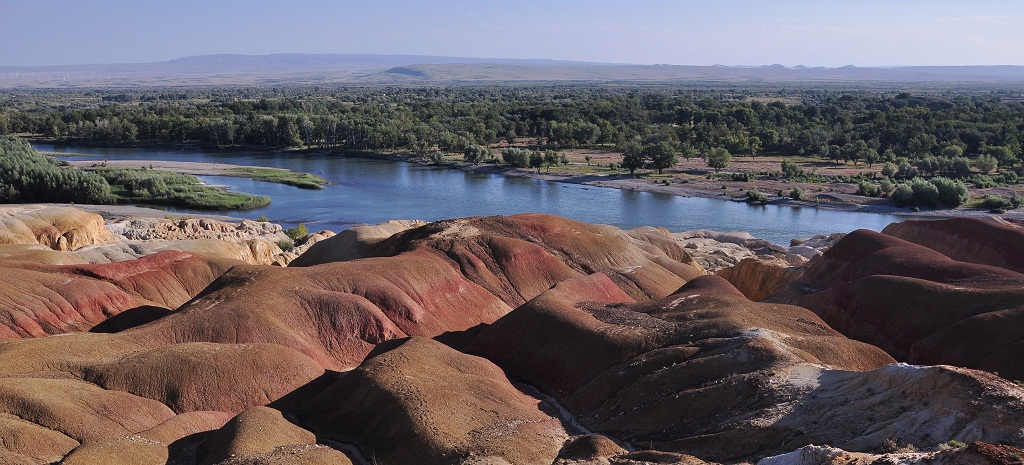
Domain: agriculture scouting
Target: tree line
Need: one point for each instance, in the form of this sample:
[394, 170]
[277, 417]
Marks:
[844, 125]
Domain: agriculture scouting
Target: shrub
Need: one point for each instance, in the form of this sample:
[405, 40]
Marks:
[790, 170]
[742, 177]
[756, 197]
[263, 219]
[518, 158]
[903, 195]
[297, 232]
[867, 189]
[993, 202]
[983, 182]
[926, 194]
[952, 445]
[475, 154]
[1016, 200]
[951, 193]
[886, 186]
[797, 194]
[286, 245]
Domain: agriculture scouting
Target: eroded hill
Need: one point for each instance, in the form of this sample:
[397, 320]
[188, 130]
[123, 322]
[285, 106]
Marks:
[524, 339]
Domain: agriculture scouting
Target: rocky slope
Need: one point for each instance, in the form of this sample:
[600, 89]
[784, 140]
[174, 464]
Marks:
[56, 228]
[528, 339]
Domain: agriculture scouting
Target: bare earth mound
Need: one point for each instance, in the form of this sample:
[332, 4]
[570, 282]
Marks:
[709, 373]
[919, 305]
[38, 299]
[422, 402]
[528, 339]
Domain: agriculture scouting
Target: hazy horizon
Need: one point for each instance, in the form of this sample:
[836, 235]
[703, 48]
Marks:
[732, 33]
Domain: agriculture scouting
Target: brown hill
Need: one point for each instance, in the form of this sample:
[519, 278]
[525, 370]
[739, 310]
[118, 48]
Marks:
[38, 299]
[988, 242]
[262, 435]
[351, 244]
[417, 401]
[617, 342]
[442, 277]
[518, 257]
[257, 334]
[709, 373]
[918, 304]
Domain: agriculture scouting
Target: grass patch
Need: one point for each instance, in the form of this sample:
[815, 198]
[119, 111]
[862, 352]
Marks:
[289, 177]
[174, 189]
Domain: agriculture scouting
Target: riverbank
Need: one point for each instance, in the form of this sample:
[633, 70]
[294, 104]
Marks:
[694, 183]
[685, 181]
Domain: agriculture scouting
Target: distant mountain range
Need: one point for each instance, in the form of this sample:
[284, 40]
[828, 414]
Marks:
[411, 69]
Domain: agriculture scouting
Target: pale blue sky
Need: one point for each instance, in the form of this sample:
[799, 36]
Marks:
[732, 32]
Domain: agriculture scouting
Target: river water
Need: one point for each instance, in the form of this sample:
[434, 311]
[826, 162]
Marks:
[371, 191]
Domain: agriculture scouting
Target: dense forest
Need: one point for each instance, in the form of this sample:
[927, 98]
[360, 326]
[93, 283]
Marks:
[844, 125]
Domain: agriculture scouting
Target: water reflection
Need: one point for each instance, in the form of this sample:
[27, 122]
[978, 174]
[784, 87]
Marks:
[373, 191]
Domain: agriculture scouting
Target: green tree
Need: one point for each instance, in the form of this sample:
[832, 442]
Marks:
[951, 151]
[287, 132]
[889, 170]
[661, 155]
[755, 146]
[718, 158]
[986, 163]
[1002, 154]
[536, 159]
[475, 154]
[550, 158]
[632, 156]
[516, 157]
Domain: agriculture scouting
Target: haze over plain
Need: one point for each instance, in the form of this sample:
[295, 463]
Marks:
[733, 32]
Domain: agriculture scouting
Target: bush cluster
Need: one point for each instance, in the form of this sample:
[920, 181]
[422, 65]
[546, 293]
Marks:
[931, 193]
[27, 176]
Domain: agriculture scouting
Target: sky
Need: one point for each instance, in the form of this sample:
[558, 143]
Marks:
[730, 32]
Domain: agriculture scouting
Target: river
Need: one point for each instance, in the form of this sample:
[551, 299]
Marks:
[364, 190]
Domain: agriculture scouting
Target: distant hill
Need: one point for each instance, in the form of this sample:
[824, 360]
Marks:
[398, 69]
